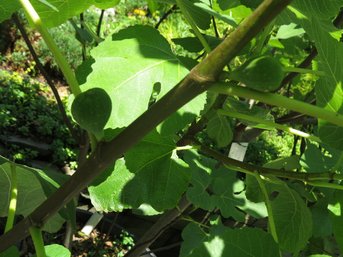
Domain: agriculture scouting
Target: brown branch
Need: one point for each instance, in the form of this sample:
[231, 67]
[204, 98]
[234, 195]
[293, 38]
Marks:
[158, 228]
[165, 16]
[105, 154]
[304, 64]
[98, 27]
[46, 76]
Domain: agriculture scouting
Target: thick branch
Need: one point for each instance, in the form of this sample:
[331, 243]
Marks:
[280, 101]
[106, 153]
[157, 229]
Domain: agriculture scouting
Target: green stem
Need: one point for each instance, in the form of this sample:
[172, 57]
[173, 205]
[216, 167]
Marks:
[280, 101]
[33, 17]
[271, 221]
[37, 238]
[302, 70]
[13, 199]
[269, 123]
[325, 184]
[193, 25]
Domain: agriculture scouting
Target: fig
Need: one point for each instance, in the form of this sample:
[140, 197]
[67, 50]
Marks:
[263, 73]
[91, 110]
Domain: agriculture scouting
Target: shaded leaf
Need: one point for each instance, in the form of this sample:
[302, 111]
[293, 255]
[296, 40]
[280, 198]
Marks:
[293, 220]
[219, 129]
[160, 176]
[316, 160]
[321, 215]
[192, 44]
[34, 186]
[226, 242]
[199, 16]
[10, 252]
[151, 174]
[8, 8]
[193, 237]
[336, 211]
[91, 110]
[213, 187]
[224, 4]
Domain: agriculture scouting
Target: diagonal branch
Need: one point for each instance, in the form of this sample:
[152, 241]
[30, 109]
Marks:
[197, 82]
[47, 78]
[280, 173]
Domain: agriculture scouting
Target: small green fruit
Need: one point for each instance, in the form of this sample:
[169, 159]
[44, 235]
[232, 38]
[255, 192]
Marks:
[263, 73]
[91, 110]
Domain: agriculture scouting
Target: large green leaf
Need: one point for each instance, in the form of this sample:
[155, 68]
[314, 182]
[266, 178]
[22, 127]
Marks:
[225, 242]
[316, 18]
[293, 220]
[128, 65]
[34, 186]
[151, 174]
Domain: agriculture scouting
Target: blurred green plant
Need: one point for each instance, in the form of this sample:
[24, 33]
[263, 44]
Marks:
[270, 145]
[28, 111]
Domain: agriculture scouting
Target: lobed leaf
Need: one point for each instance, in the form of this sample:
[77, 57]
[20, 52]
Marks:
[293, 220]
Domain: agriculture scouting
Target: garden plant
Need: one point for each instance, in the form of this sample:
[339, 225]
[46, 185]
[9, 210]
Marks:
[158, 120]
